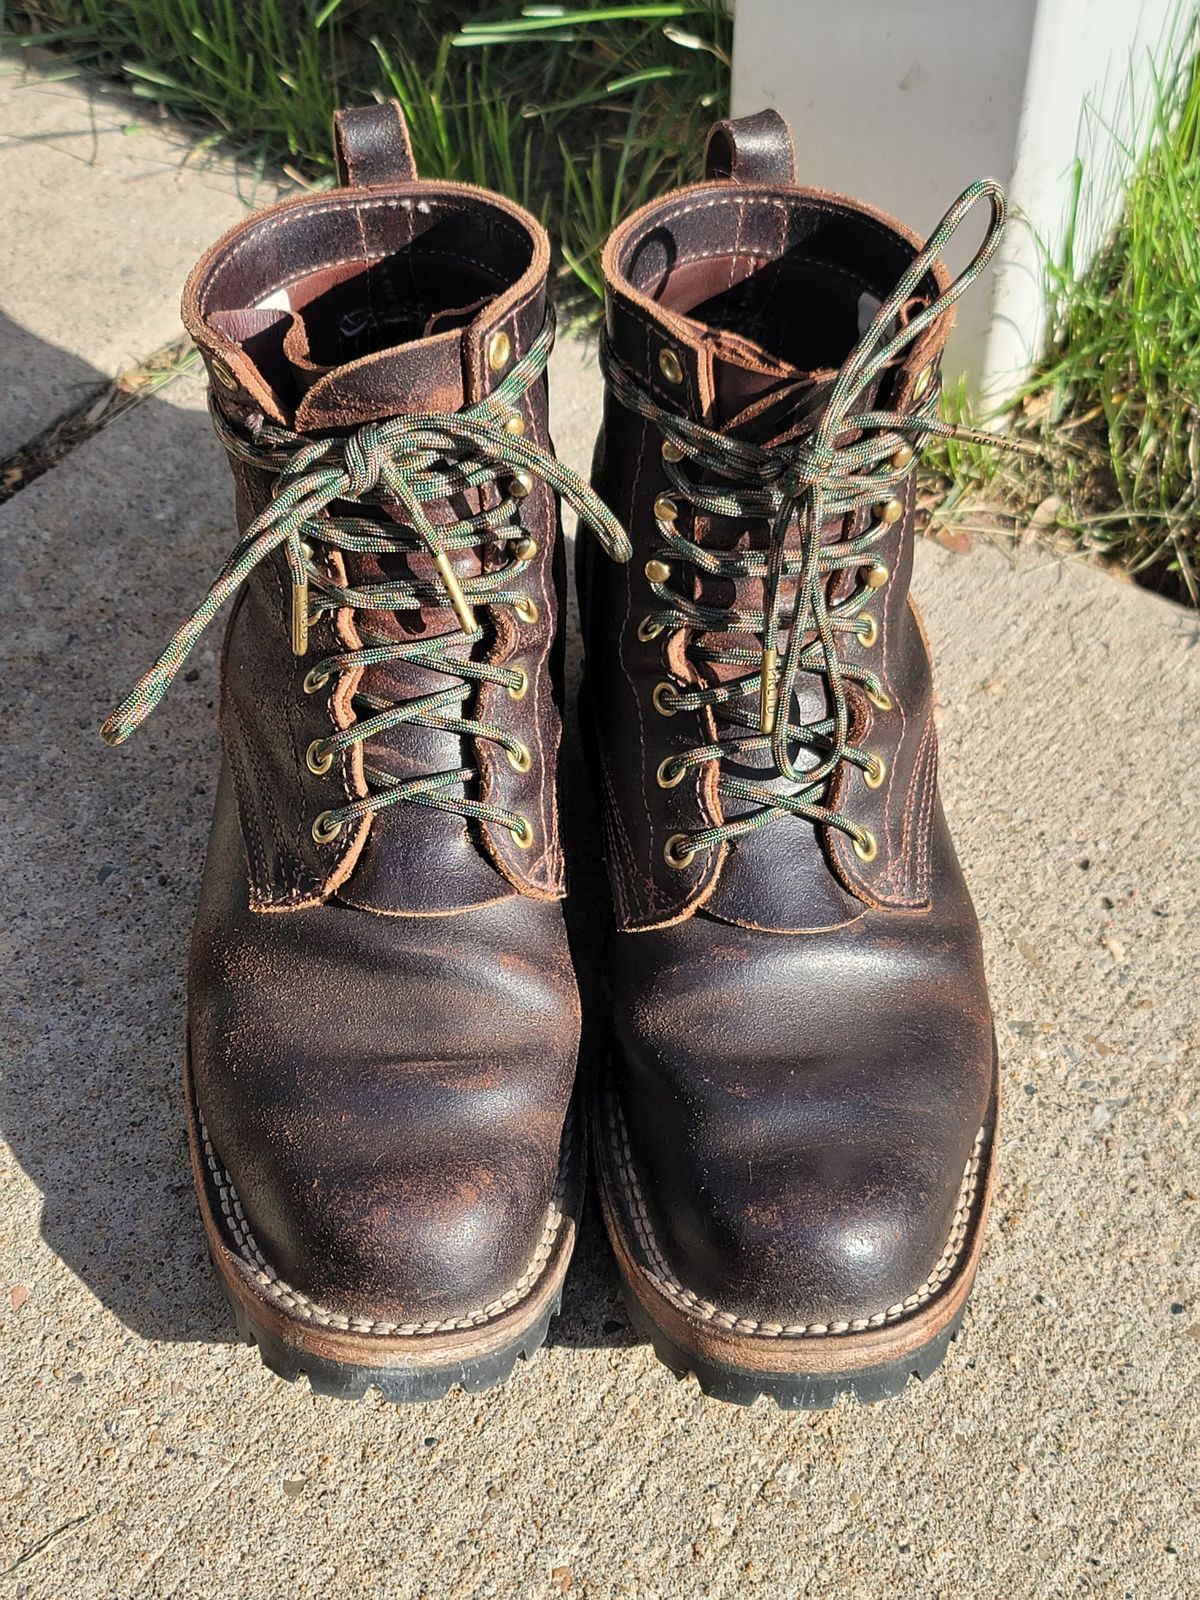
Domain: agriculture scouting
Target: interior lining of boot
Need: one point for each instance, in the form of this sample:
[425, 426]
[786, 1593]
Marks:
[378, 277]
[761, 302]
[829, 262]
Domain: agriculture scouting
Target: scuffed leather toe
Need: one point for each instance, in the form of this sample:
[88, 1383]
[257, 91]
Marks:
[391, 1131]
[393, 1227]
[785, 1180]
[806, 1230]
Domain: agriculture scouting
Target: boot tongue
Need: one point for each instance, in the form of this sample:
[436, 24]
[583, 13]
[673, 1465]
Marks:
[324, 377]
[762, 397]
[767, 401]
[768, 412]
[425, 373]
[758, 397]
[368, 387]
[320, 367]
[750, 389]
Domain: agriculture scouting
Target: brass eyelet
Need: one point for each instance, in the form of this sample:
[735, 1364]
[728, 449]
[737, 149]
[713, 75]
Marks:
[520, 759]
[314, 613]
[867, 629]
[670, 365]
[671, 451]
[515, 424]
[520, 484]
[679, 852]
[648, 629]
[526, 609]
[876, 575]
[902, 458]
[670, 772]
[657, 571]
[318, 759]
[499, 348]
[523, 833]
[325, 829]
[315, 680]
[890, 511]
[661, 689]
[665, 508]
[525, 549]
[224, 377]
[866, 846]
[518, 691]
[879, 698]
[874, 775]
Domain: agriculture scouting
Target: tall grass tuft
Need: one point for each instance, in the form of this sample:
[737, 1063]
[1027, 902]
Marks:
[1114, 406]
[1121, 382]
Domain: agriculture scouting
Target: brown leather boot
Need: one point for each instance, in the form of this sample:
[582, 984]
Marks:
[383, 1018]
[796, 1137]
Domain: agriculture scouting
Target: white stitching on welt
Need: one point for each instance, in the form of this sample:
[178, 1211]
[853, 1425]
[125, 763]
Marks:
[274, 1287]
[668, 1285]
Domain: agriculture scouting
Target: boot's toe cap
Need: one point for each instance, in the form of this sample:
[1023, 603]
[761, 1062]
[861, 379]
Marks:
[384, 1227]
[799, 1120]
[818, 1235]
[386, 1097]
[813, 1191]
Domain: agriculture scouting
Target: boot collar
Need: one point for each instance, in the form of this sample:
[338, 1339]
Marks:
[713, 236]
[244, 304]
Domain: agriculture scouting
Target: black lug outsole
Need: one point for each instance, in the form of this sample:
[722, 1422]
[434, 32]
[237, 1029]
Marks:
[792, 1391]
[340, 1380]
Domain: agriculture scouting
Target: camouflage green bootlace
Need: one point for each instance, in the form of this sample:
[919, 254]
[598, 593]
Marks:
[407, 463]
[805, 484]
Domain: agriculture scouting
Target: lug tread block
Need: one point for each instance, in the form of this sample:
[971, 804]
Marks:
[339, 1380]
[794, 1391]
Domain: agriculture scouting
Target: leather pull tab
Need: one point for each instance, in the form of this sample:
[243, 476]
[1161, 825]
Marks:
[752, 150]
[372, 146]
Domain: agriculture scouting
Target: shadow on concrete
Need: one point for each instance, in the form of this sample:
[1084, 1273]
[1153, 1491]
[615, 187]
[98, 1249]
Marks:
[102, 853]
[593, 1314]
[101, 849]
[35, 375]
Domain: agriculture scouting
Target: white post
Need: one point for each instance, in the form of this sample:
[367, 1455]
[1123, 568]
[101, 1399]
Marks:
[904, 102]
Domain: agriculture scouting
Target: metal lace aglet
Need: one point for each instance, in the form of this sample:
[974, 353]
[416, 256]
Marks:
[300, 614]
[462, 609]
[768, 690]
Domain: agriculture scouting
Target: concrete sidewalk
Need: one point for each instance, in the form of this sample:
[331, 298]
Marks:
[104, 215]
[1056, 1452]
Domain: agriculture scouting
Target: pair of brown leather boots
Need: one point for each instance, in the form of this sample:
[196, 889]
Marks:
[794, 1124]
